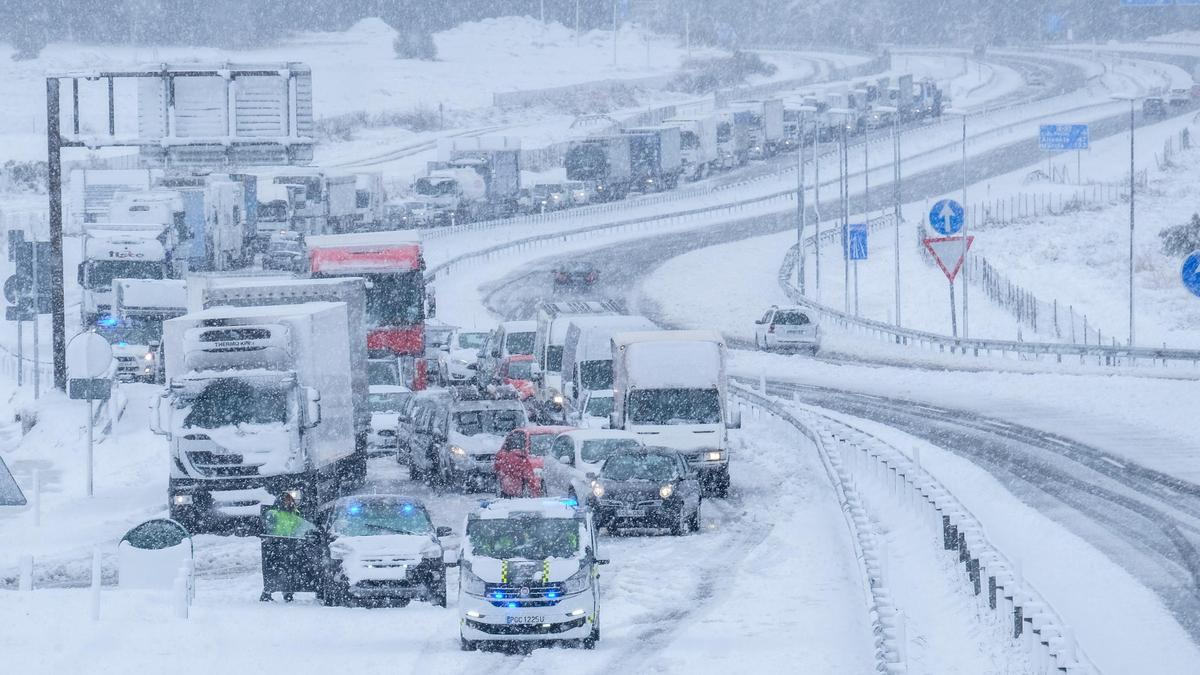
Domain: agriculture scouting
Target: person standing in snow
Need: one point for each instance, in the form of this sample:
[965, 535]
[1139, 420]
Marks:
[284, 521]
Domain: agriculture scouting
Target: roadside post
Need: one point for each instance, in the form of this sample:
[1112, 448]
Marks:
[949, 252]
[89, 368]
[1059, 137]
[856, 249]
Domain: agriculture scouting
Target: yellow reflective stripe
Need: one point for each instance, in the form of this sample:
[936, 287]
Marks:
[546, 571]
[504, 571]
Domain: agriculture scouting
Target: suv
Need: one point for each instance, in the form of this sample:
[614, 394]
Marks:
[512, 338]
[786, 328]
[463, 440]
[528, 574]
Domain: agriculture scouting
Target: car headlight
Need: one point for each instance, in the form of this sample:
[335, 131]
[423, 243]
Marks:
[598, 490]
[558, 399]
[149, 356]
[456, 450]
[666, 491]
[470, 583]
[578, 582]
[714, 456]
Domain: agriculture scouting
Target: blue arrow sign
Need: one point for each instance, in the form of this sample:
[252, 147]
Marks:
[1191, 273]
[856, 236]
[946, 217]
[1063, 137]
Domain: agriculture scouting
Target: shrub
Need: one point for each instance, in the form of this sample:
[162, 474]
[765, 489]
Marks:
[1180, 240]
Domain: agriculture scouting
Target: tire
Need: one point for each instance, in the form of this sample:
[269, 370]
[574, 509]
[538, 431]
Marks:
[694, 522]
[680, 527]
[467, 645]
[720, 484]
[590, 641]
[333, 593]
[438, 598]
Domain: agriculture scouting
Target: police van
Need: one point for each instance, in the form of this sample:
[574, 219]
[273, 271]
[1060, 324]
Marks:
[529, 573]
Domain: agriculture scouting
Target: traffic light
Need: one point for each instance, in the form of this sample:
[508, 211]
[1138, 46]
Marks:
[23, 254]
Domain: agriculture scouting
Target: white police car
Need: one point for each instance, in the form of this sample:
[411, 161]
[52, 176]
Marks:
[529, 573]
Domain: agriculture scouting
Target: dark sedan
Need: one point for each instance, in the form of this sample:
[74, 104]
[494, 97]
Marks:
[575, 275]
[646, 488]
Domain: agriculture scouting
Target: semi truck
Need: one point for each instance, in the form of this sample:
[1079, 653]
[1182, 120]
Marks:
[603, 162]
[220, 218]
[474, 178]
[277, 206]
[655, 159]
[733, 138]
[764, 125]
[330, 201]
[670, 388]
[697, 144]
[393, 267]
[119, 251]
[260, 401]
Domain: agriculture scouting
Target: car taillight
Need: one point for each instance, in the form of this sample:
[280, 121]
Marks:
[562, 276]
[591, 276]
[771, 328]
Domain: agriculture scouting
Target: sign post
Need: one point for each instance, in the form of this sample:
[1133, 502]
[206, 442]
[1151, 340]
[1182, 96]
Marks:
[89, 363]
[949, 253]
[856, 249]
[1058, 137]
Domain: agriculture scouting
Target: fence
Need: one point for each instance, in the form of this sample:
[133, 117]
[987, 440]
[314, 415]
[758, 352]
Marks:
[897, 484]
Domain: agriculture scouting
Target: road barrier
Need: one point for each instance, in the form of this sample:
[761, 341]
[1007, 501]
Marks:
[852, 457]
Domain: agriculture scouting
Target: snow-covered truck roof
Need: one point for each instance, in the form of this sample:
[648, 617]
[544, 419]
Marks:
[596, 333]
[682, 359]
[150, 294]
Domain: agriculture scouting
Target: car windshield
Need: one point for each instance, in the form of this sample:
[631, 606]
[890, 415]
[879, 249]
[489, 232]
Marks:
[232, 401]
[373, 517]
[554, 355]
[471, 340]
[791, 319]
[595, 375]
[540, 444]
[599, 406]
[389, 402]
[132, 331]
[674, 406]
[383, 372]
[520, 370]
[639, 466]
[437, 337]
[495, 422]
[519, 343]
[524, 538]
[102, 272]
[598, 450]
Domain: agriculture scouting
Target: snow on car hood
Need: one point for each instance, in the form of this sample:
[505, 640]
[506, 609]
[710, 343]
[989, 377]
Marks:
[523, 571]
[479, 444]
[373, 557]
[683, 438]
[465, 355]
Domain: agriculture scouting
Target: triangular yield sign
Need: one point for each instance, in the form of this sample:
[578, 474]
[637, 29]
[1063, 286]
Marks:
[10, 492]
[948, 252]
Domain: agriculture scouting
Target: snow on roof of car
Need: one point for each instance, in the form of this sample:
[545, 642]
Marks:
[519, 326]
[388, 238]
[490, 404]
[548, 429]
[597, 434]
[499, 509]
[388, 389]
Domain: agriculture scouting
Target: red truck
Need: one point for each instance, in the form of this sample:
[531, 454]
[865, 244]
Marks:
[393, 267]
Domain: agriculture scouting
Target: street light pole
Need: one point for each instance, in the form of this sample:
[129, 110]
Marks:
[801, 216]
[966, 265]
[1131, 221]
[896, 204]
[816, 155]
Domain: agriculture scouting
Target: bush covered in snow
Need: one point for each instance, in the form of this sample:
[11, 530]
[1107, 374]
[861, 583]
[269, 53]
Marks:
[418, 118]
[699, 76]
[1180, 240]
[23, 176]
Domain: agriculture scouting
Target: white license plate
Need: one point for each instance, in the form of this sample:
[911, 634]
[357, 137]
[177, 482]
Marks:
[524, 619]
[631, 513]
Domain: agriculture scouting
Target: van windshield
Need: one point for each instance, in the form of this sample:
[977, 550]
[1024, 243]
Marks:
[519, 343]
[594, 375]
[497, 422]
[525, 538]
[674, 406]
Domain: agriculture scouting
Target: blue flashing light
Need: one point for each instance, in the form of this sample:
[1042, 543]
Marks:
[407, 508]
[498, 595]
[551, 594]
[570, 502]
[512, 605]
[122, 343]
[108, 321]
[354, 509]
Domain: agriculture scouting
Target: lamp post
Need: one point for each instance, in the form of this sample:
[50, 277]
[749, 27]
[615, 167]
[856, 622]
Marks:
[966, 266]
[843, 116]
[802, 215]
[895, 113]
[1132, 179]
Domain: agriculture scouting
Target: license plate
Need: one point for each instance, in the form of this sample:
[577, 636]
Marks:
[631, 513]
[524, 619]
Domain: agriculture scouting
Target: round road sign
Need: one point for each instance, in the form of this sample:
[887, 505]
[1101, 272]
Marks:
[946, 217]
[88, 356]
[15, 288]
[1191, 272]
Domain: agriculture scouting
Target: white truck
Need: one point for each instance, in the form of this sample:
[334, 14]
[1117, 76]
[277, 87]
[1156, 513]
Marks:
[670, 388]
[140, 306]
[90, 192]
[765, 125]
[587, 352]
[474, 178]
[119, 251]
[553, 318]
[277, 206]
[697, 144]
[217, 222]
[329, 205]
[369, 198]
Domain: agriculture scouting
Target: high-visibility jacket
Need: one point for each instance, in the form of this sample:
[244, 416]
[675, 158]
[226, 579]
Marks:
[284, 523]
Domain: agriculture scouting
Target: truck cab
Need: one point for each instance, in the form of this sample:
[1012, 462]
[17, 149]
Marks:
[529, 573]
[135, 327]
[117, 251]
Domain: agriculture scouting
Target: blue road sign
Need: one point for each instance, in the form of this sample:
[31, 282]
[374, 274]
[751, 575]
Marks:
[1147, 3]
[1063, 137]
[946, 217]
[1191, 273]
[856, 235]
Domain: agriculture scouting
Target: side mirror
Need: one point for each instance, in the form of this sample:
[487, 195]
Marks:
[450, 557]
[564, 459]
[495, 353]
[312, 408]
[444, 531]
[735, 420]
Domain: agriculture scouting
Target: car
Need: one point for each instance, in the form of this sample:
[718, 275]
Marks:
[549, 197]
[522, 458]
[437, 340]
[646, 487]
[458, 363]
[1154, 107]
[579, 192]
[575, 275]
[384, 370]
[285, 251]
[521, 373]
[787, 328]
[386, 401]
[511, 338]
[380, 547]
[418, 429]
[1179, 98]
[528, 573]
[576, 453]
[467, 441]
[1035, 78]
[594, 409]
[412, 213]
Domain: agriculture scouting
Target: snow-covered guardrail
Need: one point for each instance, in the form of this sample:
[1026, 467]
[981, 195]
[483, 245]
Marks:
[854, 457]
